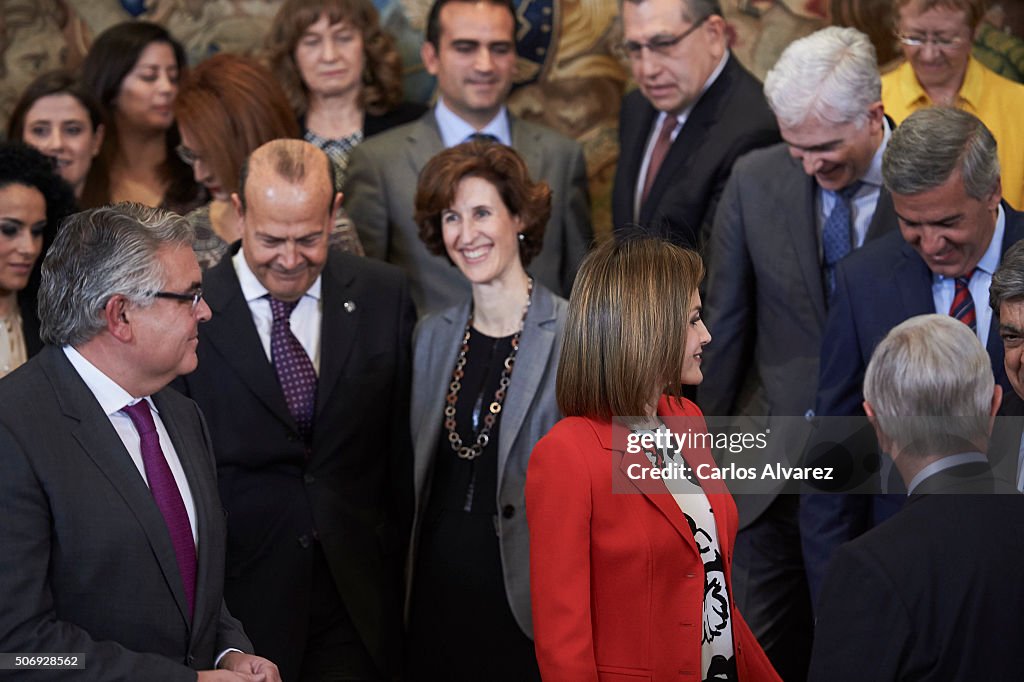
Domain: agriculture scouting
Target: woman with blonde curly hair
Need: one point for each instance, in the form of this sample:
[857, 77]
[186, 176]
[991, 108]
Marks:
[341, 72]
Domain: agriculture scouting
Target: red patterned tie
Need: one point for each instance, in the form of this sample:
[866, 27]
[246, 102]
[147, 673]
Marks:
[166, 495]
[963, 303]
[658, 154]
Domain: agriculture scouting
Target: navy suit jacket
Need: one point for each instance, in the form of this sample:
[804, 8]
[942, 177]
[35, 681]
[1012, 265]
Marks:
[877, 287]
[932, 594]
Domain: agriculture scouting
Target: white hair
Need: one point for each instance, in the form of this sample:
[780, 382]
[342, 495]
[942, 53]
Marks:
[930, 384]
[832, 74]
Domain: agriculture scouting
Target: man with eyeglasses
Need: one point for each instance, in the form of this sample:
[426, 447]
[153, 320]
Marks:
[304, 376]
[788, 215]
[936, 37]
[113, 557]
[695, 112]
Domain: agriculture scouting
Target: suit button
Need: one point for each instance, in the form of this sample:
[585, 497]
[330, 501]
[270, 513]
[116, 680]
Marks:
[308, 478]
[508, 511]
[305, 541]
[190, 660]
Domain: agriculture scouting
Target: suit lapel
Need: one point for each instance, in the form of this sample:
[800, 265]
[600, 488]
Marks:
[424, 140]
[527, 146]
[914, 281]
[447, 337]
[536, 345]
[100, 441]
[884, 218]
[799, 190]
[233, 334]
[339, 325]
[692, 136]
[184, 445]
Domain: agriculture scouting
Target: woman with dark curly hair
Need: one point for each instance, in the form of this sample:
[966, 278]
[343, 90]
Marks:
[483, 395]
[33, 201]
[341, 72]
[60, 118]
[133, 69]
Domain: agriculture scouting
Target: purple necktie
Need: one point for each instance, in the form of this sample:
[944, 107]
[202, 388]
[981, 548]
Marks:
[167, 496]
[294, 369]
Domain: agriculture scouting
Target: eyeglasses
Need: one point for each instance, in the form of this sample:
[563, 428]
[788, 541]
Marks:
[187, 155]
[192, 298]
[940, 42]
[660, 47]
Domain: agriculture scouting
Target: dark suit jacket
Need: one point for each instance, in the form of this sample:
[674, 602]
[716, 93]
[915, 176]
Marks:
[877, 287]
[381, 185]
[87, 564]
[352, 494]
[730, 119]
[405, 112]
[932, 594]
[529, 411]
[765, 303]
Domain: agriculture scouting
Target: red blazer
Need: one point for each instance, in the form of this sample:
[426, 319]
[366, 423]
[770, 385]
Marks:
[617, 582]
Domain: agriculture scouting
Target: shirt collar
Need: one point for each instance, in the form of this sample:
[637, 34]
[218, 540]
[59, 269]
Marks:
[454, 130]
[108, 393]
[253, 289]
[943, 464]
[873, 176]
[971, 89]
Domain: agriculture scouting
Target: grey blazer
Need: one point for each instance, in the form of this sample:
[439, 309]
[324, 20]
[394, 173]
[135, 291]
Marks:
[87, 564]
[530, 410]
[381, 186]
[766, 300]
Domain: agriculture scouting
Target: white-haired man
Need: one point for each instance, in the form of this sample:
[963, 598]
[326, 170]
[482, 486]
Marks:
[931, 593]
[789, 213]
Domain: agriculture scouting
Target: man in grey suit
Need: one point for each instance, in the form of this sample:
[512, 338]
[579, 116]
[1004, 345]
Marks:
[773, 250]
[113, 533]
[470, 48]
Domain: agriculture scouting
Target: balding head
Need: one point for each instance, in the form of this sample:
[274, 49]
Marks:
[286, 206]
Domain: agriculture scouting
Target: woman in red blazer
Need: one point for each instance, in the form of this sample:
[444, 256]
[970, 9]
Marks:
[631, 576]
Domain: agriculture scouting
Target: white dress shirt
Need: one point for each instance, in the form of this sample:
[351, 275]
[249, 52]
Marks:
[112, 399]
[305, 319]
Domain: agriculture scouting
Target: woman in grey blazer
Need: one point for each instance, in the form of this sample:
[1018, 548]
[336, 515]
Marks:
[483, 395]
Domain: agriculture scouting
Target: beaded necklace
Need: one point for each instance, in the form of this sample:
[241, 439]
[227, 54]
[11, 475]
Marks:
[483, 436]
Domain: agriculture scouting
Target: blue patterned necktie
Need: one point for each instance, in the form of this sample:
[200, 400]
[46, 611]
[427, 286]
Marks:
[294, 369]
[835, 237]
[481, 137]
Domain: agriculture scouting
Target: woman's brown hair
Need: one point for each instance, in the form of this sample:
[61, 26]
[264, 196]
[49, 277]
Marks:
[232, 105]
[497, 164]
[625, 334]
[382, 75]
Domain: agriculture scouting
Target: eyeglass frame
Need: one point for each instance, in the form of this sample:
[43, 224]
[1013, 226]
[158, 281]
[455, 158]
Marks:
[938, 43]
[192, 298]
[633, 50]
[187, 156]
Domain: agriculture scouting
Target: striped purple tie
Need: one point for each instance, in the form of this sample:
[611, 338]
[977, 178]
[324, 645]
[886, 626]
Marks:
[963, 303]
[167, 496]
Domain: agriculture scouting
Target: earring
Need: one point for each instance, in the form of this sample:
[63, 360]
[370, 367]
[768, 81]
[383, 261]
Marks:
[522, 237]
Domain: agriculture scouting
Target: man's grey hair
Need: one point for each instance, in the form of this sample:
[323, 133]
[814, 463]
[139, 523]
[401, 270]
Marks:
[831, 74]
[932, 143]
[930, 383]
[693, 10]
[99, 253]
[1008, 279]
